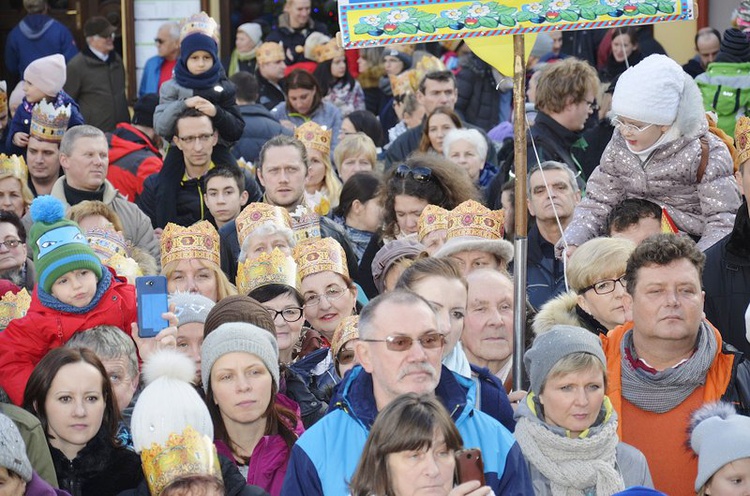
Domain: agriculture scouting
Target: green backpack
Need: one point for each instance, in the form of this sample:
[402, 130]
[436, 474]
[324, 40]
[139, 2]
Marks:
[725, 88]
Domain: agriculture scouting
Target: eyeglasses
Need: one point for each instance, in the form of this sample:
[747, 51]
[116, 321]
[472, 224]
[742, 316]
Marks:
[190, 140]
[629, 128]
[159, 41]
[420, 174]
[289, 314]
[11, 243]
[429, 341]
[331, 294]
[345, 357]
[593, 106]
[111, 36]
[605, 286]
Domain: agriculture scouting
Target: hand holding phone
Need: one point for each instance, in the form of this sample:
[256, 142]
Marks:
[151, 292]
[469, 466]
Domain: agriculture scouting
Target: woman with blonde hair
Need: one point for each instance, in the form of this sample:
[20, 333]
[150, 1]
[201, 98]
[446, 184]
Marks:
[596, 272]
[355, 153]
[322, 187]
[15, 195]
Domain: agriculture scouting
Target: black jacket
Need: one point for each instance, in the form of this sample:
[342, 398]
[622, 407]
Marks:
[269, 95]
[553, 142]
[726, 280]
[291, 38]
[294, 388]
[100, 469]
[738, 390]
[545, 275]
[478, 100]
[260, 126]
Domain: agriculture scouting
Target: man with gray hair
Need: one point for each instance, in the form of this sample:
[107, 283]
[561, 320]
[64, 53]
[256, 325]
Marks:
[553, 194]
[158, 68]
[399, 349]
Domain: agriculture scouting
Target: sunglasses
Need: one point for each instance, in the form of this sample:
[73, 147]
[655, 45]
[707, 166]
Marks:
[345, 357]
[158, 41]
[428, 341]
[420, 174]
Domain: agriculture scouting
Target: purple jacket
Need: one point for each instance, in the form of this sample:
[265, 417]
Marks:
[40, 487]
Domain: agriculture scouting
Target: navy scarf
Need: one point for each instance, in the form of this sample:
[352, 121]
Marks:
[208, 79]
[53, 303]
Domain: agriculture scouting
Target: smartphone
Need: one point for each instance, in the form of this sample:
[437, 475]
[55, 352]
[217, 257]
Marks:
[469, 466]
[151, 292]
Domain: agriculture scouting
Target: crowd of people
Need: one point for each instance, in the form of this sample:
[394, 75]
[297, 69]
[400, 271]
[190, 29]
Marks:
[335, 229]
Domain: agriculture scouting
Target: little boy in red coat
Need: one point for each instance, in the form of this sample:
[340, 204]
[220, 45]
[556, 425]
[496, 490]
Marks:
[74, 292]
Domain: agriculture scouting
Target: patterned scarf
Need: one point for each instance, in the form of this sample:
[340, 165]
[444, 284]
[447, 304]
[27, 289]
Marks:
[664, 390]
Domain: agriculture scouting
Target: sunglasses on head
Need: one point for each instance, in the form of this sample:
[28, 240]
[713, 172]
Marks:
[419, 174]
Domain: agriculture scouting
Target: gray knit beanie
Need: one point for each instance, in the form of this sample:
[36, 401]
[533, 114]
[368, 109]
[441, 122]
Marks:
[13, 450]
[190, 307]
[718, 436]
[550, 347]
[239, 336]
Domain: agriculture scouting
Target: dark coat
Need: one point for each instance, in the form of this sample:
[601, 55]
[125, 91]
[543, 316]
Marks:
[726, 280]
[37, 36]
[291, 38]
[553, 142]
[100, 469]
[269, 95]
[545, 277]
[478, 100]
[260, 126]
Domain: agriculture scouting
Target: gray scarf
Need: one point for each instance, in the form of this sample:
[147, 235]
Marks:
[664, 390]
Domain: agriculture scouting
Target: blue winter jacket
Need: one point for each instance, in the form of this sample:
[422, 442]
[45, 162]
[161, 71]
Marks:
[37, 36]
[325, 457]
[150, 77]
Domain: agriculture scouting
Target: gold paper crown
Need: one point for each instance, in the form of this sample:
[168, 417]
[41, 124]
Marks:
[347, 330]
[15, 166]
[13, 306]
[199, 23]
[432, 218]
[428, 64]
[471, 218]
[268, 268]
[184, 454]
[319, 256]
[124, 266]
[328, 51]
[256, 214]
[269, 51]
[199, 241]
[3, 97]
[306, 225]
[404, 83]
[742, 140]
[106, 243]
[315, 136]
[49, 123]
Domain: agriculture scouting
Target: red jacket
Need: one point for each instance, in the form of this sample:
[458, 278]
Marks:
[132, 158]
[25, 341]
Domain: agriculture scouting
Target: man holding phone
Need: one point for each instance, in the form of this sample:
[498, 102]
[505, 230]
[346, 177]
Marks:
[400, 350]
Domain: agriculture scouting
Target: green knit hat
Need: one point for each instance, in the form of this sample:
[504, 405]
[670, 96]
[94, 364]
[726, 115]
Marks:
[58, 244]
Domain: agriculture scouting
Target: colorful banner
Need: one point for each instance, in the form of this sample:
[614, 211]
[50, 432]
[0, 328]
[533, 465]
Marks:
[366, 23]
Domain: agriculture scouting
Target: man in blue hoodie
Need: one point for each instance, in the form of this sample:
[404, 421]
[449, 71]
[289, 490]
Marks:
[399, 350]
[36, 36]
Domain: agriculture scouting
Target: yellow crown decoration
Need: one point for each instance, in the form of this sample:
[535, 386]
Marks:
[269, 268]
[305, 224]
[269, 51]
[432, 218]
[49, 123]
[328, 51]
[199, 241]
[742, 140]
[320, 255]
[428, 64]
[404, 83]
[184, 454]
[15, 166]
[106, 243]
[257, 214]
[199, 23]
[124, 266]
[471, 218]
[13, 306]
[347, 330]
[315, 136]
[3, 97]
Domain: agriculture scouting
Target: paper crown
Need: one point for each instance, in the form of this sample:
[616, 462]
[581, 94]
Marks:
[315, 136]
[49, 123]
[124, 266]
[15, 166]
[347, 330]
[106, 243]
[404, 83]
[184, 454]
[742, 139]
[667, 224]
[269, 268]
[3, 97]
[199, 241]
[256, 214]
[328, 51]
[305, 224]
[199, 23]
[426, 65]
[471, 218]
[269, 51]
[432, 218]
[320, 255]
[13, 306]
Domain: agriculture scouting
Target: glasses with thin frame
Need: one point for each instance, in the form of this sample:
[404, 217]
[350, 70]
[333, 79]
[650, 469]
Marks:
[289, 314]
[331, 294]
[605, 286]
[191, 140]
[428, 341]
[419, 174]
[11, 243]
[629, 128]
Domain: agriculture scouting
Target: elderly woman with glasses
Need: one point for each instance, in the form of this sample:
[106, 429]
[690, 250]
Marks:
[15, 264]
[662, 151]
[596, 278]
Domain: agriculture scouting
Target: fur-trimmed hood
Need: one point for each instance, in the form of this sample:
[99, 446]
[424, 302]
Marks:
[560, 310]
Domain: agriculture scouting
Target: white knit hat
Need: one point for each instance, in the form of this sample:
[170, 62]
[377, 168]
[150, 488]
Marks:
[253, 30]
[650, 91]
[13, 450]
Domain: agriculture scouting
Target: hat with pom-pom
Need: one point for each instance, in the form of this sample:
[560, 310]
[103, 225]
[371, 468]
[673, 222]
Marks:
[13, 450]
[718, 435]
[57, 243]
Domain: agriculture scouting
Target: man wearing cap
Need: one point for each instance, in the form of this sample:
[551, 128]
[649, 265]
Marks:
[326, 455]
[293, 28]
[158, 68]
[36, 36]
[96, 77]
[270, 72]
[134, 149]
